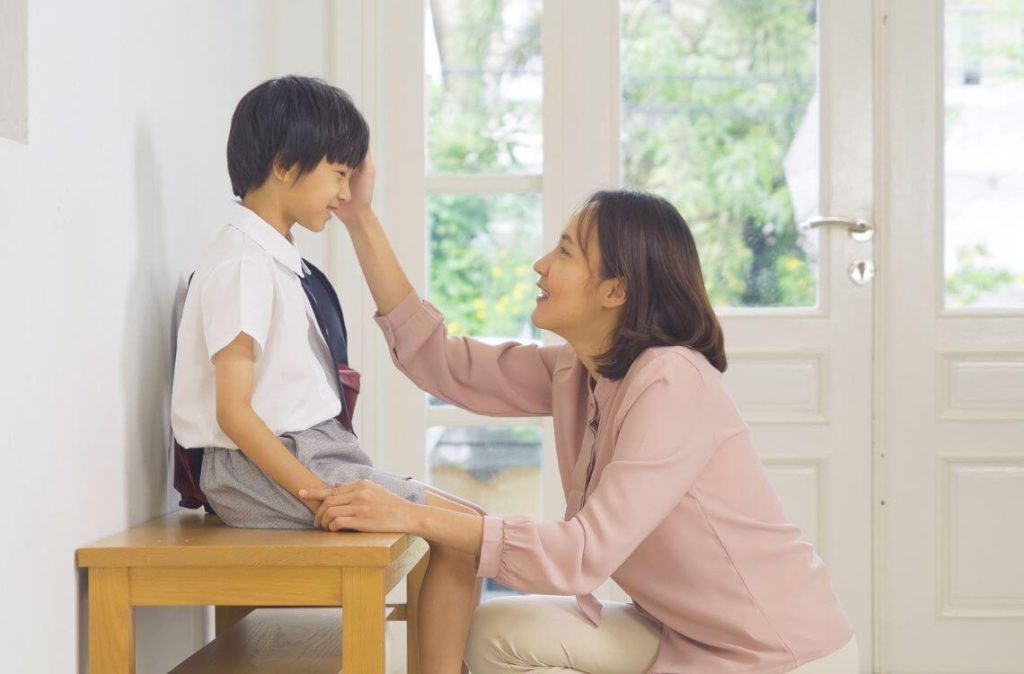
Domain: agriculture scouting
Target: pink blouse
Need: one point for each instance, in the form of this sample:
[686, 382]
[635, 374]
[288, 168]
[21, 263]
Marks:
[664, 493]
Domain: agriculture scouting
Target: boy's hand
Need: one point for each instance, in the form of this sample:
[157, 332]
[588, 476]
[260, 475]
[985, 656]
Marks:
[362, 506]
[360, 186]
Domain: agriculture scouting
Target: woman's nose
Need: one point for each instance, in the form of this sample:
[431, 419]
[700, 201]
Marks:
[542, 265]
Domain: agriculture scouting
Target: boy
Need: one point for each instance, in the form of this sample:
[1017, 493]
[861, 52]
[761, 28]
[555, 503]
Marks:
[256, 379]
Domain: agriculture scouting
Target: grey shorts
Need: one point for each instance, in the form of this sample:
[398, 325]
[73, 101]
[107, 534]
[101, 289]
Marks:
[244, 496]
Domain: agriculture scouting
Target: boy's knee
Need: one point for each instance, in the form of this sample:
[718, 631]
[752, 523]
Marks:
[462, 564]
[449, 503]
[472, 508]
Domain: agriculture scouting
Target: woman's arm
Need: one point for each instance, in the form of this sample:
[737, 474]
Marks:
[233, 366]
[502, 380]
[384, 275]
[664, 442]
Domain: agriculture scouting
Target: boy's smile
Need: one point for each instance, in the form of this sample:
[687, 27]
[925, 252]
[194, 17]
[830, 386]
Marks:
[314, 198]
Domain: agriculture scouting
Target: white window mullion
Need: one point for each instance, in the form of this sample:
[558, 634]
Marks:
[554, 209]
[399, 147]
[588, 117]
[582, 140]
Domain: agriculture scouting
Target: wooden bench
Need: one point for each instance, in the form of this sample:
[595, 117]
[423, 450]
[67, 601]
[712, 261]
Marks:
[188, 559]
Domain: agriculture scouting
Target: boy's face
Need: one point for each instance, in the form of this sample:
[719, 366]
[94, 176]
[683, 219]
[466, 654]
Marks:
[312, 199]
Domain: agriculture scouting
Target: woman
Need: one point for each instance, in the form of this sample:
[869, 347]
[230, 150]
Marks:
[664, 492]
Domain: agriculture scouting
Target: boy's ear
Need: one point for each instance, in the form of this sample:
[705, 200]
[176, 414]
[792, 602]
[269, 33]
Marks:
[283, 174]
[615, 294]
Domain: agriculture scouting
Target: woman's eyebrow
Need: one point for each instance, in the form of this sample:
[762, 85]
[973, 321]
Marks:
[566, 237]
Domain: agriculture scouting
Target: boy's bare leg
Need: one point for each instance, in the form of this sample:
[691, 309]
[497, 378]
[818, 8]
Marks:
[449, 595]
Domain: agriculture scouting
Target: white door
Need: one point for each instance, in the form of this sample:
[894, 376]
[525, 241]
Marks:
[951, 375]
[751, 117]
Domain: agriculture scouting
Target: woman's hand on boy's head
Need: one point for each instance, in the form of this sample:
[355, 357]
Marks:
[360, 203]
[362, 506]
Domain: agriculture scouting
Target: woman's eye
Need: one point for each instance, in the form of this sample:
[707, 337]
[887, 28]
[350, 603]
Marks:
[562, 250]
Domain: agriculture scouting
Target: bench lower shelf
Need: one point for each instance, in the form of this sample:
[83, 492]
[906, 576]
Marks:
[273, 641]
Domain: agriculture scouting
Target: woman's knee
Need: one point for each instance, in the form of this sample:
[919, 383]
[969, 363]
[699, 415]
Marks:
[509, 633]
[487, 646]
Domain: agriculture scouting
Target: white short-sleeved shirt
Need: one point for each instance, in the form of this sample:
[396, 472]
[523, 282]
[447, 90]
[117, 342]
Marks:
[249, 281]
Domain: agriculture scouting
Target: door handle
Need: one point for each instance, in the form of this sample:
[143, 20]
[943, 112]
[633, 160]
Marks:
[860, 230]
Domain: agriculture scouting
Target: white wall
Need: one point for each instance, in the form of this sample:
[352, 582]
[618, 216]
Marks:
[110, 200]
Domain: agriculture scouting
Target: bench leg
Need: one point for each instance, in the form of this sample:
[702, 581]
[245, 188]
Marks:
[225, 617]
[413, 583]
[111, 624]
[362, 623]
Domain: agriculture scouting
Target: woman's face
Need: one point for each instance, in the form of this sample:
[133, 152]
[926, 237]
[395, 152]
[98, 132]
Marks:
[574, 302]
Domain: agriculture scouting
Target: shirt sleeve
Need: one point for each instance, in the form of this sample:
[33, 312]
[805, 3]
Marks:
[236, 297]
[666, 438]
[509, 379]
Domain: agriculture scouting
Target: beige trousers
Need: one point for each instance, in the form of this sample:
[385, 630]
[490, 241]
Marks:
[549, 635]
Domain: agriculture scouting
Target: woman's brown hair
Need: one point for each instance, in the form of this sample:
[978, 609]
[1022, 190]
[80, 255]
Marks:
[645, 241]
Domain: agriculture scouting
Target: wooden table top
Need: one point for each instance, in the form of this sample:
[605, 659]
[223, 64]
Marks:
[190, 538]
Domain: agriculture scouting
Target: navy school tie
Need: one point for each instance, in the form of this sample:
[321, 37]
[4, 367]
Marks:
[331, 321]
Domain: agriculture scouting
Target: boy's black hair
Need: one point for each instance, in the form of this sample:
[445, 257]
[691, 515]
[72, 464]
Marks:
[293, 120]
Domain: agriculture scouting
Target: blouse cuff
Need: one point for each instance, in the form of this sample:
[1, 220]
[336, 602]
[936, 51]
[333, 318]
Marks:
[490, 548]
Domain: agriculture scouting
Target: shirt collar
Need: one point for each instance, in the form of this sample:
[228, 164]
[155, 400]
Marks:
[603, 391]
[268, 238]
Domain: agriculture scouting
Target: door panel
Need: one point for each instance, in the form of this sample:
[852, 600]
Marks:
[951, 369]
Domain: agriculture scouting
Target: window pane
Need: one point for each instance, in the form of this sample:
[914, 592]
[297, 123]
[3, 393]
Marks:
[482, 250]
[720, 116]
[984, 153]
[483, 68]
[497, 468]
